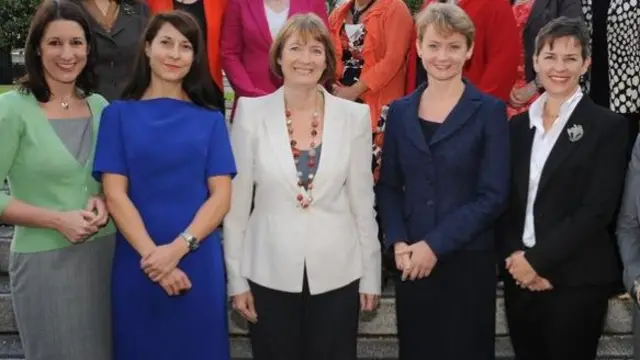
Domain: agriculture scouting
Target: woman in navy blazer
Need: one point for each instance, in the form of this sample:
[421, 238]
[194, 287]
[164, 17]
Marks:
[443, 182]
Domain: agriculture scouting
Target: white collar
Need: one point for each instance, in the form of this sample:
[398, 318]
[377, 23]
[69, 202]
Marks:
[537, 108]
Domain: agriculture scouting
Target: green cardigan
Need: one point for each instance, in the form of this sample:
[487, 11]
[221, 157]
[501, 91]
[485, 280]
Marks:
[40, 169]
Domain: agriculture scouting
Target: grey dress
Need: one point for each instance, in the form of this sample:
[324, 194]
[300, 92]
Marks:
[61, 298]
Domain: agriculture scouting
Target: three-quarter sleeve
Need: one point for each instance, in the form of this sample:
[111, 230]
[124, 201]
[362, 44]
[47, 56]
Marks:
[220, 160]
[110, 153]
[11, 129]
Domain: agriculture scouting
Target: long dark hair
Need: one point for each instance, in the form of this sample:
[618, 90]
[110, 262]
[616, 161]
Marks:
[198, 83]
[34, 80]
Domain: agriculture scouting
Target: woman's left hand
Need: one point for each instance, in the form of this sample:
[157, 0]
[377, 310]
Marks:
[369, 302]
[521, 96]
[97, 205]
[163, 259]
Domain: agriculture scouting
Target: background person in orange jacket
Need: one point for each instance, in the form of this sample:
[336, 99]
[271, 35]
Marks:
[372, 39]
[493, 67]
[208, 14]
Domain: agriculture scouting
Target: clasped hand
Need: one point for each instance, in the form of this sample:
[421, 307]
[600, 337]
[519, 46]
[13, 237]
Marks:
[79, 225]
[524, 274]
[416, 261]
[159, 262]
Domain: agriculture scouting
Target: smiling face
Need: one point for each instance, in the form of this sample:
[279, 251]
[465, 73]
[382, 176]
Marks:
[170, 54]
[443, 54]
[559, 66]
[303, 61]
[63, 51]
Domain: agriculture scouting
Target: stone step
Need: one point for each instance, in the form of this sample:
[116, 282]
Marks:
[372, 348]
[378, 348]
[383, 321]
[380, 323]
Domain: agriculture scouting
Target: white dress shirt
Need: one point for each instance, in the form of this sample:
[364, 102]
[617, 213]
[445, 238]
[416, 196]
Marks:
[543, 143]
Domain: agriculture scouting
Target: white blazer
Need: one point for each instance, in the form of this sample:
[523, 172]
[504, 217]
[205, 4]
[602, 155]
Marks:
[336, 237]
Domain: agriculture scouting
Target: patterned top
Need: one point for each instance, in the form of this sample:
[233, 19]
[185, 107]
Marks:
[352, 39]
[521, 11]
[623, 52]
[352, 43]
[303, 165]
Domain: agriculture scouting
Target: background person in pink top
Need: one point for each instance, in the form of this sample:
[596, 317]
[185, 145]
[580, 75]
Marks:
[248, 29]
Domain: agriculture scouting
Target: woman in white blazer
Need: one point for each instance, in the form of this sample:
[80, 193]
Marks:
[306, 258]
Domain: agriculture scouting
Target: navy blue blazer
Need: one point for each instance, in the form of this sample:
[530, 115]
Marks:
[450, 191]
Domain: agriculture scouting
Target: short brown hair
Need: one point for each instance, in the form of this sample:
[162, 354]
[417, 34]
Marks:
[564, 27]
[446, 19]
[307, 26]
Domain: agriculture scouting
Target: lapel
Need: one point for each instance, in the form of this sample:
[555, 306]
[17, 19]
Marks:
[278, 136]
[258, 12]
[563, 147]
[411, 120]
[522, 142]
[460, 114]
[126, 13]
[538, 9]
[276, 129]
[333, 144]
[95, 106]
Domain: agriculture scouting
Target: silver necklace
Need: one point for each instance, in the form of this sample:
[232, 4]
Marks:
[64, 102]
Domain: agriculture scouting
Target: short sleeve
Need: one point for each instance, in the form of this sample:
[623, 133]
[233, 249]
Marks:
[220, 159]
[109, 155]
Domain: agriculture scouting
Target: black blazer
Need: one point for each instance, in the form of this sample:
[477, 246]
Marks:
[577, 196]
[115, 51]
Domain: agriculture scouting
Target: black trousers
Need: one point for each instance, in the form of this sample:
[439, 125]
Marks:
[300, 326]
[449, 315]
[564, 323]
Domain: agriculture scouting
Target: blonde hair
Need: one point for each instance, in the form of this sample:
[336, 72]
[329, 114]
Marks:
[446, 19]
[306, 26]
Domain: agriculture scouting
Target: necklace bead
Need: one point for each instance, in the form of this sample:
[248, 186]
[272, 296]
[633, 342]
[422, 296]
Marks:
[304, 202]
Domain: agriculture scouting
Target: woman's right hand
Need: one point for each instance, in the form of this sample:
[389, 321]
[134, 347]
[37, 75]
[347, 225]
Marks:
[175, 282]
[244, 304]
[77, 225]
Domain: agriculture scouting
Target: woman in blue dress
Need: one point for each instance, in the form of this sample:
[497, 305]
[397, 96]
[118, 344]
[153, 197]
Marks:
[164, 158]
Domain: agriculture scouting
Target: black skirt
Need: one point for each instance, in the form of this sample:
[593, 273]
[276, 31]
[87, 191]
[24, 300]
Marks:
[449, 315]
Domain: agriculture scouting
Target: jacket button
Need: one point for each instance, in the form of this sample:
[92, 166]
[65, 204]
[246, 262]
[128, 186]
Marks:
[430, 203]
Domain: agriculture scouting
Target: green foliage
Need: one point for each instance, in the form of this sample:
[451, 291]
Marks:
[15, 16]
[414, 5]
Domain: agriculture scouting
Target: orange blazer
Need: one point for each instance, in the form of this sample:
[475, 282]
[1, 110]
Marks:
[213, 11]
[389, 26]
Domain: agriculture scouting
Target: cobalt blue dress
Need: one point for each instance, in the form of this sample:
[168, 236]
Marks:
[167, 149]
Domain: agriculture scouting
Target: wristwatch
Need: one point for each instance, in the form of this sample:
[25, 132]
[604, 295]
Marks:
[192, 241]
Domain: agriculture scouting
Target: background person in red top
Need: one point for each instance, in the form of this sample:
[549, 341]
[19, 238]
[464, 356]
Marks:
[493, 67]
[531, 16]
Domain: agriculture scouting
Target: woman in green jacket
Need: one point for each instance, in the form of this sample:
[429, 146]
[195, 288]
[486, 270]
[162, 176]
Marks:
[61, 253]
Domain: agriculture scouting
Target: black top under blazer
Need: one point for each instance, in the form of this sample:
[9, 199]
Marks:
[577, 197]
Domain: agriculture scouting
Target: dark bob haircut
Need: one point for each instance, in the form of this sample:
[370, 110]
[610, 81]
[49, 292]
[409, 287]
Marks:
[49, 11]
[564, 27]
[198, 83]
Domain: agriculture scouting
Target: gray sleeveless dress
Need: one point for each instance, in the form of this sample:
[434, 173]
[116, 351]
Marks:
[61, 298]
